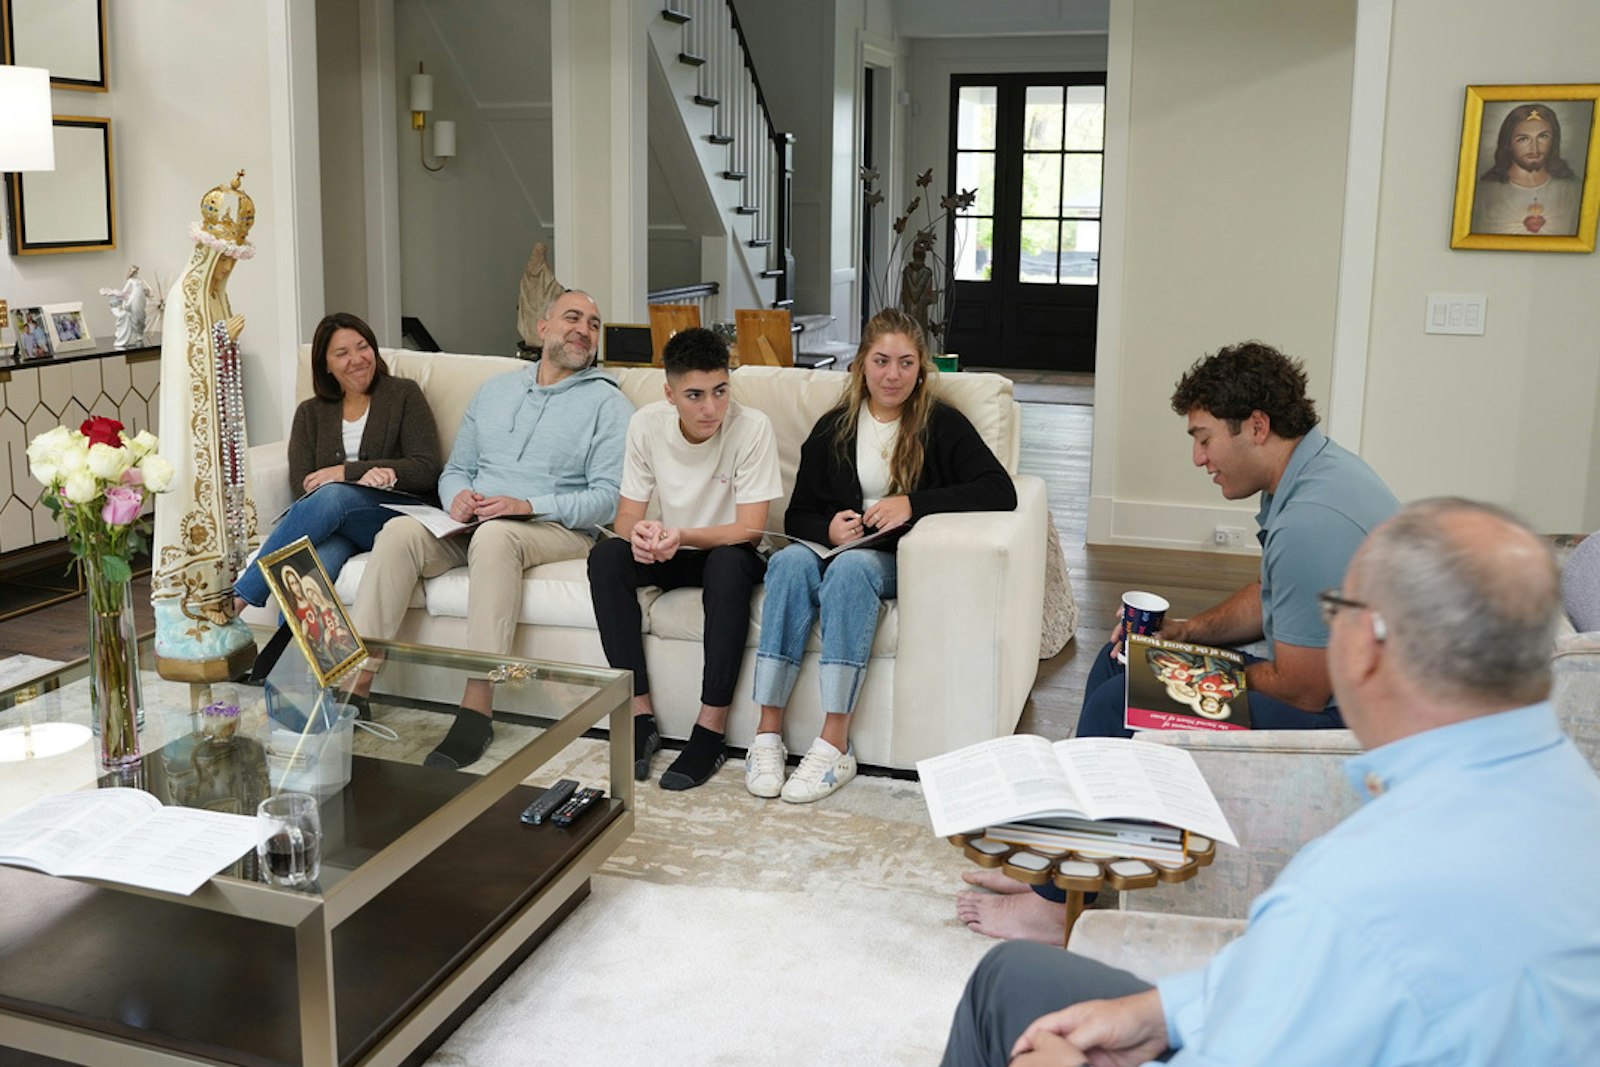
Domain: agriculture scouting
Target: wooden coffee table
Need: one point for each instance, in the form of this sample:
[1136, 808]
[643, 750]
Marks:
[1081, 872]
[432, 890]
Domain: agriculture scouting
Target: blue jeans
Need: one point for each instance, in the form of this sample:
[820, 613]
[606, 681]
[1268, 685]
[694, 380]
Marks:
[1105, 704]
[341, 519]
[845, 592]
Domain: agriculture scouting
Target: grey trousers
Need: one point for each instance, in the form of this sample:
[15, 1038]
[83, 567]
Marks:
[495, 554]
[1016, 983]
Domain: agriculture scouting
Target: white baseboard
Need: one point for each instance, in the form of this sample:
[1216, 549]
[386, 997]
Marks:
[1184, 527]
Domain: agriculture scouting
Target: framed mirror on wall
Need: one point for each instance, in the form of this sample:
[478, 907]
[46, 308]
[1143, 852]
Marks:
[71, 208]
[65, 37]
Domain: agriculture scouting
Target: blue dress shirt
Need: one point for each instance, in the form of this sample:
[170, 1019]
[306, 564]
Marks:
[1454, 920]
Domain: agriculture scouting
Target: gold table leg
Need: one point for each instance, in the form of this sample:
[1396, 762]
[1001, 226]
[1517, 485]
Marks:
[1074, 909]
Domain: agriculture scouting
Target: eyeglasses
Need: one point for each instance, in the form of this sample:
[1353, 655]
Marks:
[1331, 602]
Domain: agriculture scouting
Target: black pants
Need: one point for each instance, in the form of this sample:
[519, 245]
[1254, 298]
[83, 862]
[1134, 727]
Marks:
[1016, 983]
[726, 577]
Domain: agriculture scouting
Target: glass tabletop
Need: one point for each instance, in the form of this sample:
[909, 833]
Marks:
[367, 775]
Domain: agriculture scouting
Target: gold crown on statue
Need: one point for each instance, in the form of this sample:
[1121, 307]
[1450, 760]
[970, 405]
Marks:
[227, 212]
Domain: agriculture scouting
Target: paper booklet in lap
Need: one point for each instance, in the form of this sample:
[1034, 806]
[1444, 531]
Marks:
[1176, 686]
[1025, 777]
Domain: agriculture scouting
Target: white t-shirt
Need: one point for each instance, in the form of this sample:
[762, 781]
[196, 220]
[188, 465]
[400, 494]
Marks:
[699, 485]
[875, 443]
[352, 434]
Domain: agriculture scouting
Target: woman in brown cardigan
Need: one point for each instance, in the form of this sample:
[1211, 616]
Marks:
[365, 439]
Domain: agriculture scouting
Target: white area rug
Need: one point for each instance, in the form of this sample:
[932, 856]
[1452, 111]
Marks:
[14, 670]
[733, 930]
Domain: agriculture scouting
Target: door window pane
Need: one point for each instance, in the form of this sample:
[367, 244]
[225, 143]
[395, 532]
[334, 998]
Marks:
[1041, 184]
[1043, 119]
[1080, 195]
[975, 107]
[1086, 117]
[1080, 252]
[974, 258]
[1037, 260]
[975, 170]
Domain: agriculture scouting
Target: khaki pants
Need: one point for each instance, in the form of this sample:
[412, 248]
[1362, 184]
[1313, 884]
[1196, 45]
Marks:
[496, 554]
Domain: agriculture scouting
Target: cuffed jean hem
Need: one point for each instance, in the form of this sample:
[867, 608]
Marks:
[774, 680]
[840, 685]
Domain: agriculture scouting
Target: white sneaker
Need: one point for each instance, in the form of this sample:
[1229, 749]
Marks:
[821, 772]
[764, 765]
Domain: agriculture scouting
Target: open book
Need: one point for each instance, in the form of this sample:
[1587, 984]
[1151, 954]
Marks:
[126, 836]
[393, 492]
[1176, 686]
[1025, 777]
[439, 522]
[780, 540]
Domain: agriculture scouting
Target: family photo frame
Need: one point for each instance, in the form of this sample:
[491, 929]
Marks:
[1528, 177]
[33, 336]
[68, 332]
[312, 610]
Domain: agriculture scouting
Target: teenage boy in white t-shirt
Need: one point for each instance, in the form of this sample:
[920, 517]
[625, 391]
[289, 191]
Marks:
[712, 466]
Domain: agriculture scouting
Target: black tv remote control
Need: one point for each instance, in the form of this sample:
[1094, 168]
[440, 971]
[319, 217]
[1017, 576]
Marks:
[548, 801]
[573, 809]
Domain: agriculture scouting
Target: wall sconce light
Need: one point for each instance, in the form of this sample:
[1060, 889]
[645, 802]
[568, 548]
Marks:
[444, 131]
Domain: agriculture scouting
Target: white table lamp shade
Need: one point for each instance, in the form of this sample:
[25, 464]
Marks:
[29, 141]
[422, 92]
[444, 139]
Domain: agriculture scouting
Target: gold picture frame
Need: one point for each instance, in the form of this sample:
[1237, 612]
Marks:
[1559, 214]
[74, 207]
[330, 647]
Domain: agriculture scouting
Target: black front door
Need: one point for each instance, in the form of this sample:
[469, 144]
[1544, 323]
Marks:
[1026, 254]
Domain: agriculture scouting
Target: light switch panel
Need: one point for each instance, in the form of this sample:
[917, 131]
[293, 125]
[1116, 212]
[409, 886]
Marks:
[1458, 313]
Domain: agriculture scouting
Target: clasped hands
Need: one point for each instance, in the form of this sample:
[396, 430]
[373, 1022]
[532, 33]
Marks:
[886, 514]
[468, 506]
[1124, 1032]
[653, 542]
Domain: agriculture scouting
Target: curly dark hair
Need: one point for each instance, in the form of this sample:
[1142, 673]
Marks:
[1245, 378]
[696, 348]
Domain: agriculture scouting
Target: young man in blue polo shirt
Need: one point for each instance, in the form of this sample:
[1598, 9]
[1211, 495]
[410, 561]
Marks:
[1254, 430]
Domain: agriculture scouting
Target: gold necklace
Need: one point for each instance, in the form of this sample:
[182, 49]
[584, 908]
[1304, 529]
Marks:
[885, 443]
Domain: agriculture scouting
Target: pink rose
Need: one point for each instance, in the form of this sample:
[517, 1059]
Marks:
[133, 476]
[122, 505]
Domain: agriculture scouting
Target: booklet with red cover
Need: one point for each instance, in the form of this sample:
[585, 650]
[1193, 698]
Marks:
[1177, 686]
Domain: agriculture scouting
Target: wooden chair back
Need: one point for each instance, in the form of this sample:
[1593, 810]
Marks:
[666, 320]
[764, 336]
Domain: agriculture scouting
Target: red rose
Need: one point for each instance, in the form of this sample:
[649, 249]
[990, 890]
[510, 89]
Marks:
[102, 431]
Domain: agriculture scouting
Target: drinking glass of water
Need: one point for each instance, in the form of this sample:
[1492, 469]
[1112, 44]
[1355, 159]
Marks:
[289, 839]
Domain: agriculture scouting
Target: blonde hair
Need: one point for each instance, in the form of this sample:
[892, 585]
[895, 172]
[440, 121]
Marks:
[910, 447]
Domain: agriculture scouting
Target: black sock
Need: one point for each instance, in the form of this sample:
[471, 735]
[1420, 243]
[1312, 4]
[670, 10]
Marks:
[699, 760]
[646, 743]
[269, 654]
[465, 744]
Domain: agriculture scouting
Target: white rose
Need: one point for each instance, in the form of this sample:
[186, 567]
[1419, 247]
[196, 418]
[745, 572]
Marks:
[44, 454]
[144, 442]
[107, 462]
[157, 473]
[74, 455]
[81, 487]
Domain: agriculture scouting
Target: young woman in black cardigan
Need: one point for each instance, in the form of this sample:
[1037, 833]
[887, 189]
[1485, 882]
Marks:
[889, 452]
[364, 433]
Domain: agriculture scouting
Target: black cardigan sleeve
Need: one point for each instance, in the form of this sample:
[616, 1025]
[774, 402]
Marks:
[823, 486]
[959, 472]
[401, 434]
[303, 445]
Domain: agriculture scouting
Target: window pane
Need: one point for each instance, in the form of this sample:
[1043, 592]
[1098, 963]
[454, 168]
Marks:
[1041, 184]
[975, 105]
[1086, 117]
[974, 258]
[1081, 195]
[1080, 252]
[975, 170]
[1042, 127]
[1037, 261]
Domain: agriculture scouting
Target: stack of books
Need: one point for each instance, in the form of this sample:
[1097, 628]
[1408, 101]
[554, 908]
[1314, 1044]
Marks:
[1134, 839]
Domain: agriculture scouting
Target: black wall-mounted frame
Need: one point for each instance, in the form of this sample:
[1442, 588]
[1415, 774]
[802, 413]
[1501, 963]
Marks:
[71, 208]
[66, 37]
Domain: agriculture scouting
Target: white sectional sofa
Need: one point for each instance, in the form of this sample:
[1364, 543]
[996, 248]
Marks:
[954, 658]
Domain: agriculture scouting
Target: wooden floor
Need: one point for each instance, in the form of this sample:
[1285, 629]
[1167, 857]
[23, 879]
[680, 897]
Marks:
[1057, 431]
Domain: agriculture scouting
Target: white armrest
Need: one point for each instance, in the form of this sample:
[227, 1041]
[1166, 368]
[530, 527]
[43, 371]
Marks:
[971, 593]
[269, 482]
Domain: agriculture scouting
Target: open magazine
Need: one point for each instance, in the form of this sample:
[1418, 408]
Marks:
[440, 523]
[1177, 686]
[778, 540]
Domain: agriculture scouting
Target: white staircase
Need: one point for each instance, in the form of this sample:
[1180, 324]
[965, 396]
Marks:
[700, 53]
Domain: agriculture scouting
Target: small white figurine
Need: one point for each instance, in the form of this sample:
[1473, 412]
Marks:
[128, 308]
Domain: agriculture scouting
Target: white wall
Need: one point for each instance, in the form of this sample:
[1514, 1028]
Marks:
[1232, 119]
[344, 220]
[1510, 416]
[466, 231]
[187, 112]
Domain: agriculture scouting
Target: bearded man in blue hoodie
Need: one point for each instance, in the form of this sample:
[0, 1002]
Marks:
[542, 445]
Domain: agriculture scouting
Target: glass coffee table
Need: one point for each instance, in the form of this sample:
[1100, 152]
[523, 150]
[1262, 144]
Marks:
[431, 892]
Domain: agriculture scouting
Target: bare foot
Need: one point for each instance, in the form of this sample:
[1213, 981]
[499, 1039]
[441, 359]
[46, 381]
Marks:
[994, 881]
[1012, 916]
